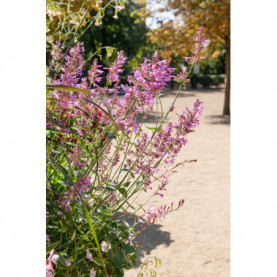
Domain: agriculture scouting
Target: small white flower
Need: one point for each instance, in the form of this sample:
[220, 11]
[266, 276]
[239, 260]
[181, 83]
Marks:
[206, 43]
[89, 256]
[105, 246]
[126, 223]
[130, 240]
[92, 273]
[68, 262]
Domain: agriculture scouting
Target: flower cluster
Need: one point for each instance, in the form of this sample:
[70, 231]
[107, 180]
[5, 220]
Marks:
[182, 77]
[116, 68]
[92, 124]
[152, 76]
[199, 43]
[154, 214]
[94, 73]
[51, 13]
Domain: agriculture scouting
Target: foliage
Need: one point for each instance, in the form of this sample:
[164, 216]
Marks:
[207, 80]
[176, 36]
[63, 17]
[214, 65]
[122, 33]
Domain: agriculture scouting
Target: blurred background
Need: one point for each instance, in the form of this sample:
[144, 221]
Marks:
[147, 26]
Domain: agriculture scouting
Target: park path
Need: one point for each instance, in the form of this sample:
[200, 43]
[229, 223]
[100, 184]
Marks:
[194, 241]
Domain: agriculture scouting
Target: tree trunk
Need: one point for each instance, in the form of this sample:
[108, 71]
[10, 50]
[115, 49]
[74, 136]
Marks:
[226, 110]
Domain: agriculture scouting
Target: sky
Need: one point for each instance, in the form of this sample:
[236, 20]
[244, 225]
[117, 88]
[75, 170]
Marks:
[158, 17]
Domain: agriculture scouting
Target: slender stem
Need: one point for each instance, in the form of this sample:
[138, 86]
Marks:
[95, 237]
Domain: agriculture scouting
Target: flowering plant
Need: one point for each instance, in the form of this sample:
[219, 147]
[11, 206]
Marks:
[100, 157]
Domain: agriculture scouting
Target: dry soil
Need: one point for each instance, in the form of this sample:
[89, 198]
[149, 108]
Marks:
[194, 241]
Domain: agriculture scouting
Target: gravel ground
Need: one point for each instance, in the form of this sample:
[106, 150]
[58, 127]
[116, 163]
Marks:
[194, 241]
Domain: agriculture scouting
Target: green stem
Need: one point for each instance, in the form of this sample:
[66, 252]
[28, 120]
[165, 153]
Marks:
[95, 237]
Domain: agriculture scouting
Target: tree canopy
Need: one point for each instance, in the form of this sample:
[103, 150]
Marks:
[213, 15]
[123, 32]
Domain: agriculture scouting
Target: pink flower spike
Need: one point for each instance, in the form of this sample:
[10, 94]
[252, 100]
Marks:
[154, 214]
[182, 77]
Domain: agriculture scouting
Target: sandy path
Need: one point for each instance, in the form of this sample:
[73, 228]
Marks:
[194, 241]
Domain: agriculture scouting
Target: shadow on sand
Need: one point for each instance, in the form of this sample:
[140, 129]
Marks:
[218, 119]
[150, 119]
[151, 237]
[183, 92]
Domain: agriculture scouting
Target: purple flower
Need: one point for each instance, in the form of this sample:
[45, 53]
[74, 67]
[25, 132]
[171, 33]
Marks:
[182, 77]
[199, 42]
[115, 68]
[95, 73]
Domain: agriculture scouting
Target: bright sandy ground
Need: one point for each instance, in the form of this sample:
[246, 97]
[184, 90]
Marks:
[194, 241]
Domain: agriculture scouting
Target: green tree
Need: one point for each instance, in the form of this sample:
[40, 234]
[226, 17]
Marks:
[123, 33]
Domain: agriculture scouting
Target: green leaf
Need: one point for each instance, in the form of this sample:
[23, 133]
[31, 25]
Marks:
[73, 236]
[52, 246]
[119, 147]
[93, 233]
[111, 136]
[154, 129]
[132, 258]
[118, 272]
[97, 261]
[62, 260]
[128, 249]
[132, 143]
[65, 87]
[116, 256]
[107, 212]
[126, 184]
[81, 266]
[110, 186]
[110, 189]
[123, 191]
[74, 205]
